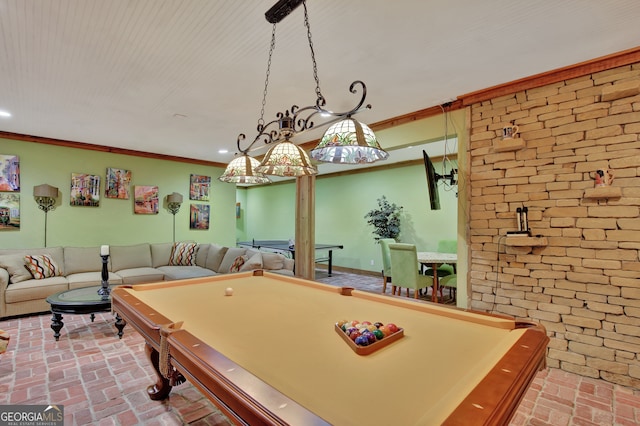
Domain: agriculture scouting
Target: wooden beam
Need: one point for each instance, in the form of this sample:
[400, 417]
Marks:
[305, 227]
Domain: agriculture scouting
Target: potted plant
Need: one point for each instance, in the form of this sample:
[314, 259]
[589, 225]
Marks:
[385, 219]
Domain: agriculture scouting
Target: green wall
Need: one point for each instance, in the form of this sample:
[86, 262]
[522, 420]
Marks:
[113, 222]
[341, 204]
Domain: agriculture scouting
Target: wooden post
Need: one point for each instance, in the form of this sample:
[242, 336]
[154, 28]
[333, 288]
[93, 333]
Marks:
[305, 227]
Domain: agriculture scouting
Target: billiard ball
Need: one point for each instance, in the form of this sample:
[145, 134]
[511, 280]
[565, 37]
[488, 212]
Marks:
[362, 341]
[379, 334]
[370, 336]
[228, 291]
[385, 330]
[378, 324]
[392, 327]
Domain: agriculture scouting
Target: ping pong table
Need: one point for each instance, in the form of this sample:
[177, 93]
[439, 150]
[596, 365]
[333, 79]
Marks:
[284, 247]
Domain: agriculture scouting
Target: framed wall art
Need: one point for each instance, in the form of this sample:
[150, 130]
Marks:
[199, 216]
[9, 212]
[85, 190]
[199, 187]
[146, 200]
[9, 173]
[118, 183]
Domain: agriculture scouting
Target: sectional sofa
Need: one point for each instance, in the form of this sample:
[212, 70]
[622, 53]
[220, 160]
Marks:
[29, 276]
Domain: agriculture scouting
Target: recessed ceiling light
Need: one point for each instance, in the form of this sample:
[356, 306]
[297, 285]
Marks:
[5, 114]
[223, 151]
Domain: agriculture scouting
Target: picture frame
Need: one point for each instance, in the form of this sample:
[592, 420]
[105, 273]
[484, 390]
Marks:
[117, 184]
[85, 190]
[146, 200]
[199, 216]
[9, 173]
[199, 187]
[9, 211]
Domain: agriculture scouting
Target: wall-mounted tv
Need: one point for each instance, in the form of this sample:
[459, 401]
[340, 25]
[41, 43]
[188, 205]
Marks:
[432, 182]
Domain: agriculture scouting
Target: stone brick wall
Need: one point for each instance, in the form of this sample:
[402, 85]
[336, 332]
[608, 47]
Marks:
[583, 281]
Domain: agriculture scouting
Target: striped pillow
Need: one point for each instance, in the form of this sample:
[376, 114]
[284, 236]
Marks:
[42, 266]
[237, 264]
[183, 254]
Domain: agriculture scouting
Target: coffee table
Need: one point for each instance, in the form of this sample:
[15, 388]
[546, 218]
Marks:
[80, 301]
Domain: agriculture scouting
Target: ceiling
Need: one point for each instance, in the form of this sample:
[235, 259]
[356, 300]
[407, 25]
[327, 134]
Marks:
[185, 77]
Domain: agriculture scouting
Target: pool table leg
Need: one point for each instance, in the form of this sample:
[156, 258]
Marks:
[120, 323]
[162, 388]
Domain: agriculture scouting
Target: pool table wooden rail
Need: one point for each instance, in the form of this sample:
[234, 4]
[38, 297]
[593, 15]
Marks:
[246, 399]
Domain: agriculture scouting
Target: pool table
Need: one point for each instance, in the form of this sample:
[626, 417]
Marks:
[270, 353]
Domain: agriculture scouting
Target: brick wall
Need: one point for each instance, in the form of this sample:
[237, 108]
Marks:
[583, 283]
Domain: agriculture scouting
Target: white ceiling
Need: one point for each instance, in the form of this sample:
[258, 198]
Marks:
[185, 77]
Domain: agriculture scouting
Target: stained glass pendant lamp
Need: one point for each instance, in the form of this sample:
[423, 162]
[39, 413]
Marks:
[349, 142]
[242, 170]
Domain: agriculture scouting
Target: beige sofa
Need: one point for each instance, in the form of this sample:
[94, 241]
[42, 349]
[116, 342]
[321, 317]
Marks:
[24, 292]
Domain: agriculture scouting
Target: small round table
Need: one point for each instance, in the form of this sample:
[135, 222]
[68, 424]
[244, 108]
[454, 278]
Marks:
[84, 300]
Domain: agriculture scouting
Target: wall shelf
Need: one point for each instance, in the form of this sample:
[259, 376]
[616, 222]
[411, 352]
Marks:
[508, 145]
[525, 241]
[603, 192]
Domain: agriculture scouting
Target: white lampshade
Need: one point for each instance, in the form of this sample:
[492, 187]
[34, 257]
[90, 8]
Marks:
[349, 142]
[242, 170]
[286, 159]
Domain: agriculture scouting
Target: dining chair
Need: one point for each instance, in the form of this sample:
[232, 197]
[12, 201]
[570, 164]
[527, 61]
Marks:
[386, 262]
[444, 246]
[405, 270]
[450, 282]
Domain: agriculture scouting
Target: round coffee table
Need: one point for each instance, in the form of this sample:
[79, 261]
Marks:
[84, 300]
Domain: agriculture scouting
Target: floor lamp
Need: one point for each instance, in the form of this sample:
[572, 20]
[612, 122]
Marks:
[174, 200]
[45, 196]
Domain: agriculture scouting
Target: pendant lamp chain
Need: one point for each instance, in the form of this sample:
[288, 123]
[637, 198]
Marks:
[320, 100]
[266, 80]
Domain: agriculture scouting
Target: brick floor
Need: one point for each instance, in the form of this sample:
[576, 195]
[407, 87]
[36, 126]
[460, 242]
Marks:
[102, 380]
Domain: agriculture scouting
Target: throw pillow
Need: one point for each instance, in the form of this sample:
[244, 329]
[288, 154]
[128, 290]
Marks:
[42, 266]
[14, 264]
[183, 254]
[273, 261]
[254, 262]
[237, 264]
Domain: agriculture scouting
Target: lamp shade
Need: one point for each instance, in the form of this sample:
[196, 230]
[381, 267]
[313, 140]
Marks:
[45, 190]
[349, 142]
[286, 159]
[174, 198]
[242, 170]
